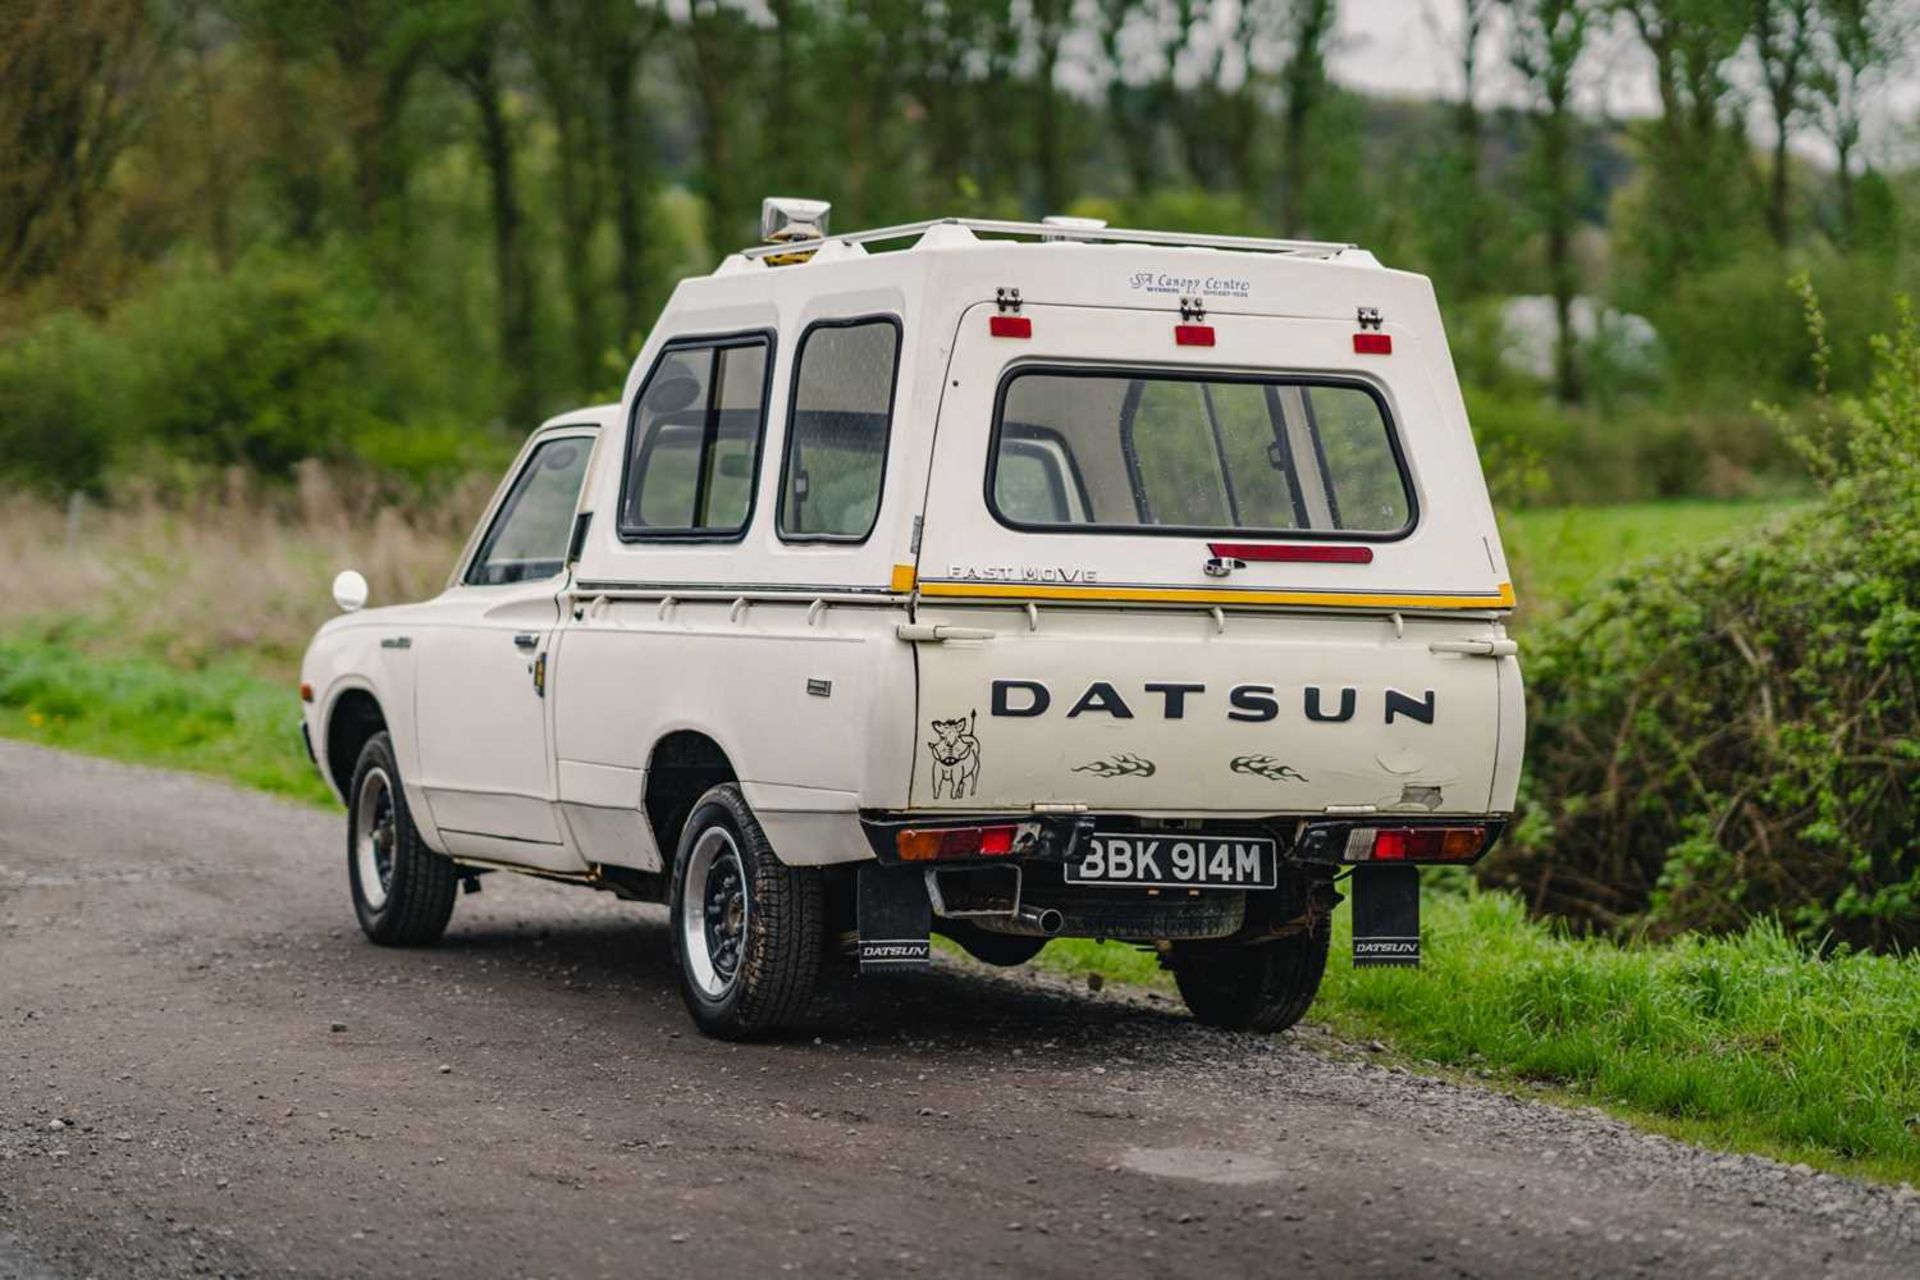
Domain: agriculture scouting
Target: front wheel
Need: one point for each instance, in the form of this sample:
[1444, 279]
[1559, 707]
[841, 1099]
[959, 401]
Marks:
[1267, 986]
[402, 891]
[748, 930]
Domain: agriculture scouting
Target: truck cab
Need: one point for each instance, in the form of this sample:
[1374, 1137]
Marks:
[1001, 581]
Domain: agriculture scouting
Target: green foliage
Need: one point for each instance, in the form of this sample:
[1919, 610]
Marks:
[275, 361]
[62, 394]
[1731, 733]
[1540, 452]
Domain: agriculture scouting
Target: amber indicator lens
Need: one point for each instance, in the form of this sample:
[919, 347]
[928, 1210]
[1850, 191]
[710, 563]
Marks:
[916, 845]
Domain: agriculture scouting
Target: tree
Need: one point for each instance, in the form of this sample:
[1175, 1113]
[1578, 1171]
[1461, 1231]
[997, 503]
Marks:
[470, 52]
[1783, 44]
[623, 38]
[1459, 211]
[72, 85]
[1049, 19]
[717, 52]
[1698, 143]
[1863, 40]
[1129, 100]
[1549, 38]
[379, 46]
[1304, 90]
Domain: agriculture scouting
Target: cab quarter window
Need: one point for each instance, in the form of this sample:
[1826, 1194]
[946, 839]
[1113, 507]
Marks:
[1209, 454]
[528, 539]
[837, 438]
[696, 441]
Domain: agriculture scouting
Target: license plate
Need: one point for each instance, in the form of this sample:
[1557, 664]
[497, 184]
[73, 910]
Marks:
[1210, 862]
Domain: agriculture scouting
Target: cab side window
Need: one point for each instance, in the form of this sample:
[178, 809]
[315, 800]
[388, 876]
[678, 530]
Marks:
[695, 445]
[837, 435]
[528, 538]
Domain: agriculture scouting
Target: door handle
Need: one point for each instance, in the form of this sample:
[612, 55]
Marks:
[526, 640]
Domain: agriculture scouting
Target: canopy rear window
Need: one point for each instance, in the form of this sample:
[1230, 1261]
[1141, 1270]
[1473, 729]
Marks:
[1167, 452]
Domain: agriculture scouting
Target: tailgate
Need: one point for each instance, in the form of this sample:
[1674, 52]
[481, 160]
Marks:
[1172, 712]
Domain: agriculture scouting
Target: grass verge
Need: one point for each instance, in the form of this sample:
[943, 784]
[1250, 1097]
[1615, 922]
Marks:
[220, 719]
[1744, 1043]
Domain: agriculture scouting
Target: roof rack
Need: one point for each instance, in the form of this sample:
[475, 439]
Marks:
[1056, 231]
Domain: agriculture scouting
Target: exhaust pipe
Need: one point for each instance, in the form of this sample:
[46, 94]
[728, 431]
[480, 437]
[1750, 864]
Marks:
[1047, 920]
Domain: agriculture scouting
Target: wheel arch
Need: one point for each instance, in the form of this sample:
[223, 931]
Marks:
[683, 766]
[354, 716]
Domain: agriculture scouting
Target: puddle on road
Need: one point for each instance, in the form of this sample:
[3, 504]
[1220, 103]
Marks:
[1202, 1164]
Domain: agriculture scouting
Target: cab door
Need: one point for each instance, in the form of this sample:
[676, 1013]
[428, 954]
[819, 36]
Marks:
[482, 668]
[1246, 571]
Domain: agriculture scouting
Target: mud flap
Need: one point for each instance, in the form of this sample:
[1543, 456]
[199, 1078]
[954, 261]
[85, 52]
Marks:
[1386, 915]
[895, 919]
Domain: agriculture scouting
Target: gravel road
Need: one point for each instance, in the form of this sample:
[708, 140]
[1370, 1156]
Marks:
[208, 1071]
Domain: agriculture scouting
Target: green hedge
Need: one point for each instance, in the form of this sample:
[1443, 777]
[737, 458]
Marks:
[1734, 732]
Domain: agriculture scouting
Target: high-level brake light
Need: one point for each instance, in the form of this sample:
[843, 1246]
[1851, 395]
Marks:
[1193, 335]
[1010, 326]
[1373, 344]
[1292, 552]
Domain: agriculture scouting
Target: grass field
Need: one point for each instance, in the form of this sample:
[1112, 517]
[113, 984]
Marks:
[1743, 1043]
[1556, 553]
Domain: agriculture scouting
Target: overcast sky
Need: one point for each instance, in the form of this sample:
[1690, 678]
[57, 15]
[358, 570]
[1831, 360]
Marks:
[1410, 47]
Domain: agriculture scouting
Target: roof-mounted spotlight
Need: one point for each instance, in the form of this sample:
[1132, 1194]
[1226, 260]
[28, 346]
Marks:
[784, 219]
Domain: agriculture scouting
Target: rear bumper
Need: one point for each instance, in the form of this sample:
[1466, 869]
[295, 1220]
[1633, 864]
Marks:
[1059, 838]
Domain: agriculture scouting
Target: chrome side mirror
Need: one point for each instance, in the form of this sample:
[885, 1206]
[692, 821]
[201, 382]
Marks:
[349, 591]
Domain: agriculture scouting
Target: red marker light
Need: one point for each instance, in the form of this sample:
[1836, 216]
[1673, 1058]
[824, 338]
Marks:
[996, 841]
[1010, 326]
[1373, 344]
[1193, 335]
[306, 692]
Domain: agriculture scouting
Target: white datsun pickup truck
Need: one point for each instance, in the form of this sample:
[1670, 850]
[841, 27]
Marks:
[998, 580]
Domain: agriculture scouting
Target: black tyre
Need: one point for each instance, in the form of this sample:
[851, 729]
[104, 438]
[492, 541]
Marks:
[1264, 987]
[748, 930]
[402, 891]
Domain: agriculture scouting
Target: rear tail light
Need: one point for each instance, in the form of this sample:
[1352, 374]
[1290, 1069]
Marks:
[931, 845]
[1010, 326]
[1415, 844]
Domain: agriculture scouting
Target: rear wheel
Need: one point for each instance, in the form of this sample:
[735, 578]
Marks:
[1267, 986]
[748, 930]
[402, 891]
